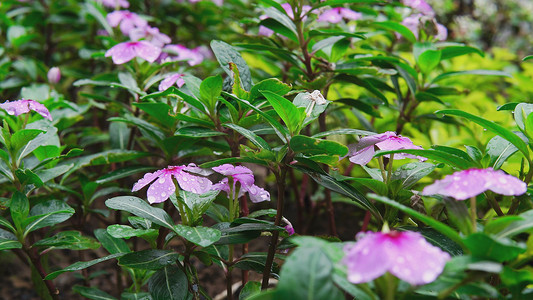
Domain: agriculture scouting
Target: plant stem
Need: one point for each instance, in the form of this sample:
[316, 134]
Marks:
[389, 165]
[382, 168]
[473, 213]
[35, 261]
[494, 204]
[280, 180]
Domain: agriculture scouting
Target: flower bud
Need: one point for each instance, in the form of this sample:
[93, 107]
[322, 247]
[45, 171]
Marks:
[54, 75]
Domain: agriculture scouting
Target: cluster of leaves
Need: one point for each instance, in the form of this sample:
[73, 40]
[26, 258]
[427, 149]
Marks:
[67, 182]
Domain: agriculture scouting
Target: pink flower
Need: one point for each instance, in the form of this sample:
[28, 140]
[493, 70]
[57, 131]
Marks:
[217, 2]
[127, 20]
[263, 30]
[150, 34]
[124, 52]
[335, 15]
[245, 177]
[54, 75]
[442, 32]
[170, 80]
[24, 106]
[406, 255]
[163, 186]
[469, 183]
[421, 6]
[116, 3]
[364, 150]
[192, 56]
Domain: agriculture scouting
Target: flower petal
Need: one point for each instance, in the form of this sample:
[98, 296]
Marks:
[363, 156]
[192, 183]
[147, 178]
[366, 260]
[504, 184]
[147, 51]
[40, 109]
[257, 194]
[121, 53]
[161, 189]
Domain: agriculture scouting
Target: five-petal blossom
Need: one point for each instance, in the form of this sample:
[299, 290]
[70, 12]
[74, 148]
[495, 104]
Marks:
[163, 186]
[124, 52]
[406, 255]
[245, 177]
[171, 80]
[24, 106]
[469, 183]
[127, 20]
[335, 15]
[363, 151]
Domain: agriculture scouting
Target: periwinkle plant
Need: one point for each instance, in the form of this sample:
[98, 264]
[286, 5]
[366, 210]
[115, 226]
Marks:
[225, 111]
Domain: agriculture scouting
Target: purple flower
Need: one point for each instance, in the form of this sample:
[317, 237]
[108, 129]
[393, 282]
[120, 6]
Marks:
[54, 75]
[413, 22]
[192, 56]
[24, 106]
[406, 255]
[127, 20]
[289, 229]
[245, 177]
[170, 80]
[364, 151]
[116, 3]
[124, 52]
[163, 186]
[469, 183]
[150, 34]
[421, 6]
[335, 15]
[217, 2]
[263, 30]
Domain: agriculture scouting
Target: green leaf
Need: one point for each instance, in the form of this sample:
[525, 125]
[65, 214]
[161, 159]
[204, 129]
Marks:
[527, 58]
[140, 208]
[122, 173]
[135, 296]
[150, 259]
[411, 173]
[82, 265]
[273, 85]
[249, 289]
[470, 72]
[397, 27]
[428, 60]
[225, 54]
[22, 137]
[440, 156]
[282, 18]
[308, 269]
[436, 238]
[280, 130]
[169, 283]
[286, 110]
[124, 231]
[519, 226]
[111, 244]
[27, 177]
[521, 112]
[313, 146]
[350, 288]
[498, 129]
[20, 208]
[199, 235]
[499, 150]
[338, 186]
[210, 90]
[198, 203]
[92, 293]
[438, 226]
[493, 248]
[6, 244]
[47, 213]
[454, 51]
[252, 137]
[72, 240]
[159, 111]
[196, 131]
[343, 131]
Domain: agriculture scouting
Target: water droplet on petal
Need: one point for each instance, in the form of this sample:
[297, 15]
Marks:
[162, 180]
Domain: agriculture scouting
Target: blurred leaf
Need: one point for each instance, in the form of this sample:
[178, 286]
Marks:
[428, 60]
[249, 289]
[6, 244]
[397, 27]
[92, 293]
[440, 156]
[493, 248]
[470, 72]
